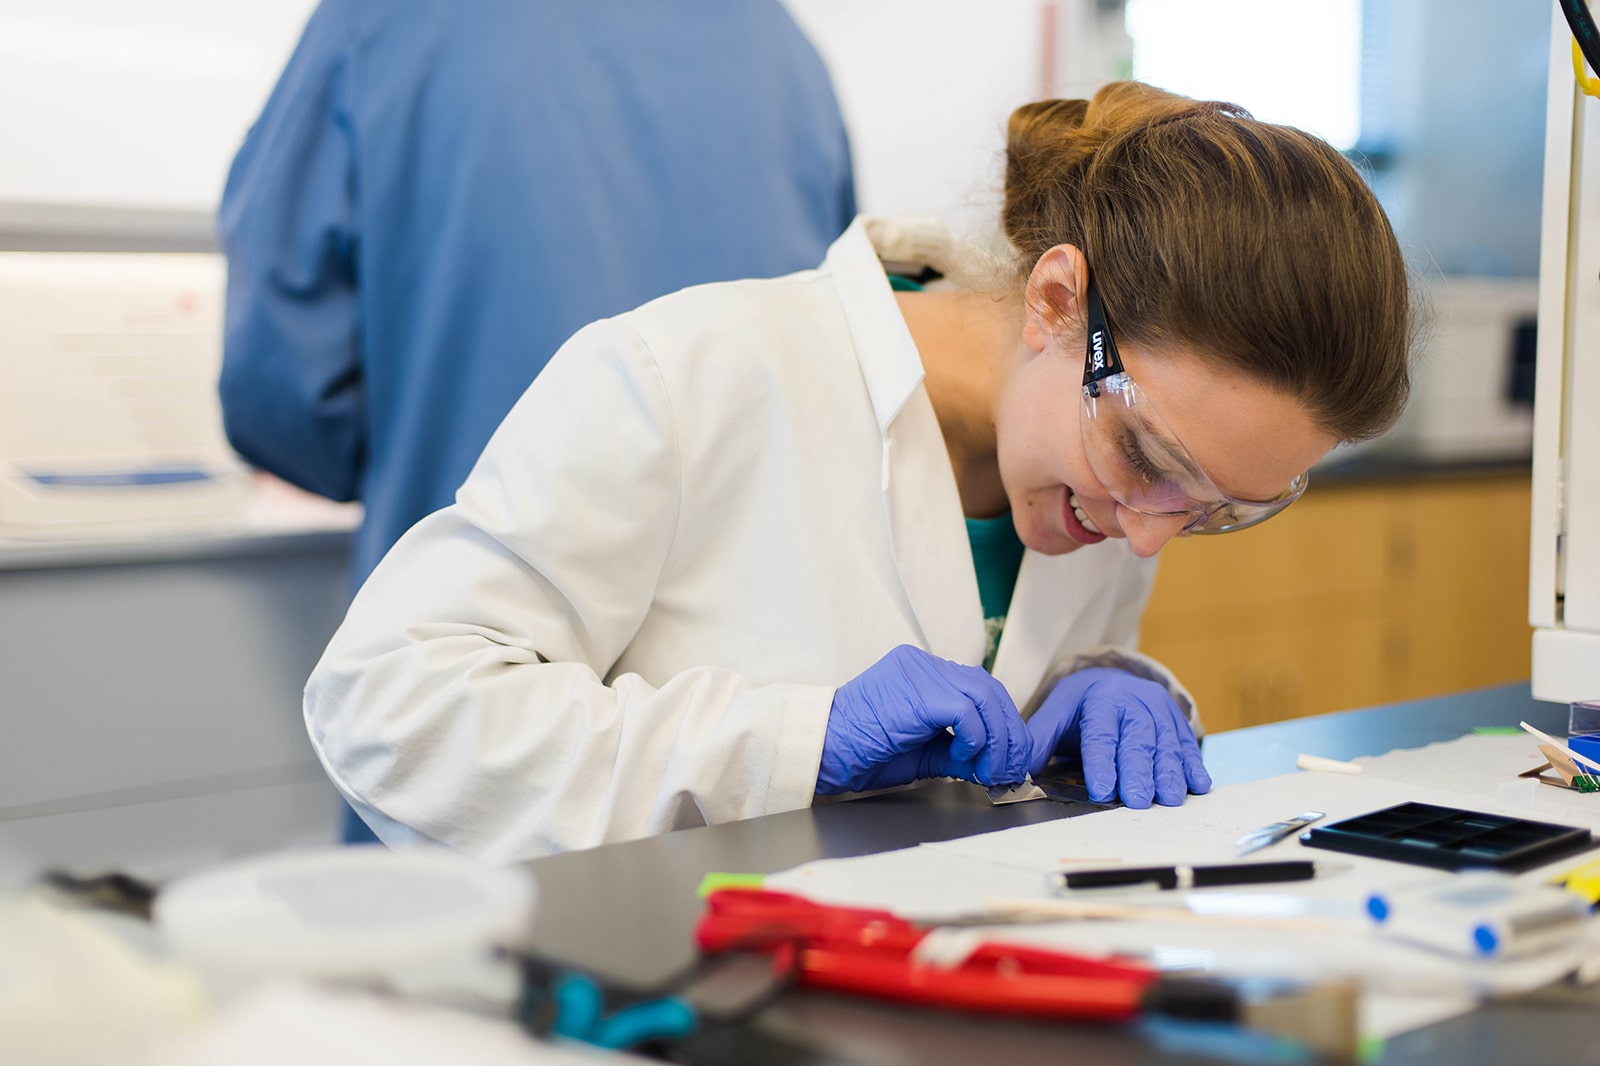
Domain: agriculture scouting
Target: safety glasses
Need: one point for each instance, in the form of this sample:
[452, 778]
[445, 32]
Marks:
[1137, 457]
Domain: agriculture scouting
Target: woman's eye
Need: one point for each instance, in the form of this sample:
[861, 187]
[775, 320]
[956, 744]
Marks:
[1141, 464]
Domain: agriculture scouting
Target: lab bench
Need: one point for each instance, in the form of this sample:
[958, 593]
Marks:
[152, 692]
[626, 912]
[1395, 577]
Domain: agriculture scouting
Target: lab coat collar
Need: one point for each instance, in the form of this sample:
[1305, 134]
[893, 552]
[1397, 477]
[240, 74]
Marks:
[890, 363]
[922, 502]
[889, 359]
[932, 552]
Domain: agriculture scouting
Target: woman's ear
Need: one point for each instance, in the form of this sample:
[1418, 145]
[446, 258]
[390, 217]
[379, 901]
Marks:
[1054, 295]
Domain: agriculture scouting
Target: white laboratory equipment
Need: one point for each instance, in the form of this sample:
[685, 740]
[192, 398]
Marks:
[109, 421]
[1463, 403]
[1481, 914]
[1564, 575]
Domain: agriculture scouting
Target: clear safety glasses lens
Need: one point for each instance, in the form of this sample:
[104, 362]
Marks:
[1144, 466]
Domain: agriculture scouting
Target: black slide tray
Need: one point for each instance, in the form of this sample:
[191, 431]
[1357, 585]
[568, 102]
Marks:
[1449, 838]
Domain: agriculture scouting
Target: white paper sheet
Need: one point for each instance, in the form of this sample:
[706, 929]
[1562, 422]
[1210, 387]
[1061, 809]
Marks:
[1407, 986]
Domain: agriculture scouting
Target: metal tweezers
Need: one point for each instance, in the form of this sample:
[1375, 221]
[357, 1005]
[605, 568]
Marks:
[1268, 835]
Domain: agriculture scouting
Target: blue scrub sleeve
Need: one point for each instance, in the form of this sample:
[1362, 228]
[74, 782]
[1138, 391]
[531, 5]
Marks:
[291, 384]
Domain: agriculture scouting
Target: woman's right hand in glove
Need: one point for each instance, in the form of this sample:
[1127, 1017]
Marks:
[913, 715]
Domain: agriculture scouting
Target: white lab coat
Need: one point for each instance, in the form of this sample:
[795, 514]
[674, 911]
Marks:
[701, 518]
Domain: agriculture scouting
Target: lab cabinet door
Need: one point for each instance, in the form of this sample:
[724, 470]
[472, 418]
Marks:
[1359, 594]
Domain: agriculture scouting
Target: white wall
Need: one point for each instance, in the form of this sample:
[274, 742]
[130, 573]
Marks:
[926, 87]
[105, 102]
[143, 105]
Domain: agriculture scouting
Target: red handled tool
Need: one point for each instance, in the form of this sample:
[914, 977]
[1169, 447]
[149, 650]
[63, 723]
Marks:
[875, 953]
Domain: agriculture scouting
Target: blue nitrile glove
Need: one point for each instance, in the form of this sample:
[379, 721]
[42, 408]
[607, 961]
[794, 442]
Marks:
[888, 726]
[1132, 736]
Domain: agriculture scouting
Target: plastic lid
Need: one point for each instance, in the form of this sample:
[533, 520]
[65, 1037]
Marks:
[344, 912]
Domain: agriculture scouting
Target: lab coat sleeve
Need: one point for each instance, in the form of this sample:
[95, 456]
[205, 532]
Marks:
[291, 383]
[469, 698]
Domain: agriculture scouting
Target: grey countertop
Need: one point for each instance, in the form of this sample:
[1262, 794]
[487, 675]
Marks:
[276, 520]
[1379, 465]
[626, 912]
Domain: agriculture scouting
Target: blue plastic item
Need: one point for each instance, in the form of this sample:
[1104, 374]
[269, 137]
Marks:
[1588, 745]
[580, 1015]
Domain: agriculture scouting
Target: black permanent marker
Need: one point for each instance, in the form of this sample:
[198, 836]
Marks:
[1238, 873]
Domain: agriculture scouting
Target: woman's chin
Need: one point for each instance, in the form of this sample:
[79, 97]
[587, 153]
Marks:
[1048, 542]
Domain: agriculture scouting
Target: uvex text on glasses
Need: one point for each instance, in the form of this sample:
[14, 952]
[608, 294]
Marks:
[1137, 456]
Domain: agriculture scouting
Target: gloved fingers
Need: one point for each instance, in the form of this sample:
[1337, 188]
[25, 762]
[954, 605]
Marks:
[880, 721]
[1194, 764]
[1136, 754]
[1003, 752]
[936, 760]
[1171, 786]
[1053, 728]
[1005, 760]
[901, 769]
[971, 731]
[930, 699]
[1099, 730]
[1048, 733]
[994, 744]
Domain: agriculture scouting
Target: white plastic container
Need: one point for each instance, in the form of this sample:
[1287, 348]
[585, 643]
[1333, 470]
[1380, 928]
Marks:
[1481, 915]
[423, 922]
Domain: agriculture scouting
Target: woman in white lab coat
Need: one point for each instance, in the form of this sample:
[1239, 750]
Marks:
[720, 557]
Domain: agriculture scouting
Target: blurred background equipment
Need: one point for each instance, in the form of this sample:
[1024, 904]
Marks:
[108, 414]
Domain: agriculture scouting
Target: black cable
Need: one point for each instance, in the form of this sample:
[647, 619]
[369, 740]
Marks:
[117, 892]
[1583, 29]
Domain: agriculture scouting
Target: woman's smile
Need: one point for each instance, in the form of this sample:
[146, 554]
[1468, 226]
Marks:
[1080, 527]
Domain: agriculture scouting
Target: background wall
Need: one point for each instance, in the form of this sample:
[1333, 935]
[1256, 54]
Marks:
[106, 105]
[1452, 116]
[110, 105]
[135, 105]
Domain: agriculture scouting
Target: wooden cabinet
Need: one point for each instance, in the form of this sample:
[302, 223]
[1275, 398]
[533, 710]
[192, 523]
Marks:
[1361, 593]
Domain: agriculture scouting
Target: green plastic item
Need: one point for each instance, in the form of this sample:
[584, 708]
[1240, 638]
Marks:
[713, 881]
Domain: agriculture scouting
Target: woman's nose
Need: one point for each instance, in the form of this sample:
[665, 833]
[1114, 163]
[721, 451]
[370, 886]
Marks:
[1148, 533]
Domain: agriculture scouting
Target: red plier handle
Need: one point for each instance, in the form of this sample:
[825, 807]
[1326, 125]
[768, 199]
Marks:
[870, 952]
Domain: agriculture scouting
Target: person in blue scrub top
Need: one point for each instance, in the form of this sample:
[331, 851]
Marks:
[437, 195]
